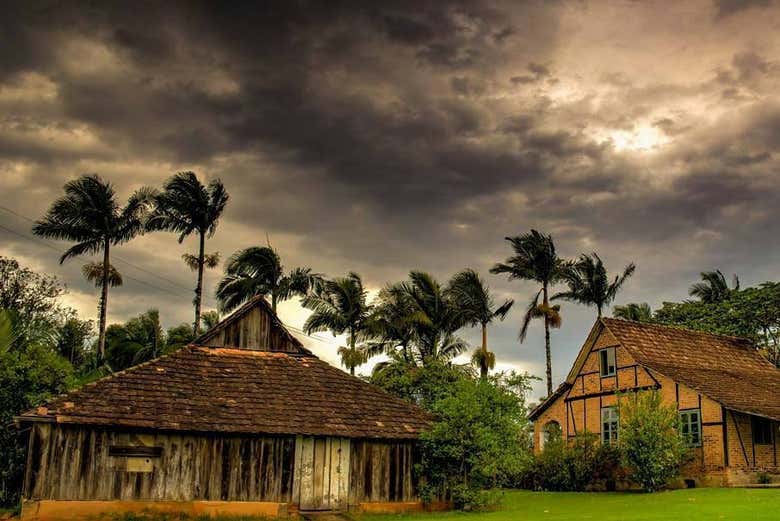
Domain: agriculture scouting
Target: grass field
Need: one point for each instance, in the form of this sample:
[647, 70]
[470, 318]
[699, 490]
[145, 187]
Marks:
[677, 505]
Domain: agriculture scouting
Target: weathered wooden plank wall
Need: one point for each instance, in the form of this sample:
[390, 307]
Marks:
[382, 471]
[255, 330]
[321, 478]
[73, 463]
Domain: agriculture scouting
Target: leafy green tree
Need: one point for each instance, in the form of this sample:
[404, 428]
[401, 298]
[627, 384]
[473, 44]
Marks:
[341, 307]
[73, 340]
[33, 299]
[90, 215]
[420, 384]
[752, 313]
[534, 258]
[33, 326]
[633, 311]
[479, 441]
[258, 270]
[650, 439]
[179, 336]
[28, 377]
[589, 283]
[713, 288]
[186, 206]
[139, 339]
[477, 306]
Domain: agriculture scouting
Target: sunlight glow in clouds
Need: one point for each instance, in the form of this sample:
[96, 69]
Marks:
[640, 139]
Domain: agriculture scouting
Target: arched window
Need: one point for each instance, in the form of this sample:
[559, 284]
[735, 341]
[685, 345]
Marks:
[550, 431]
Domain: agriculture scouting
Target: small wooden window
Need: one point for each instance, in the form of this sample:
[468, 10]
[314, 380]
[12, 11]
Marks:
[607, 362]
[762, 431]
[610, 421]
[134, 451]
[690, 427]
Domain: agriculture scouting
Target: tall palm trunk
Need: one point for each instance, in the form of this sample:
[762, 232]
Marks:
[352, 352]
[483, 369]
[199, 288]
[547, 354]
[103, 303]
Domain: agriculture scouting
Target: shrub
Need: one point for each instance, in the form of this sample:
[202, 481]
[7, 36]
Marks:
[652, 447]
[763, 478]
[478, 442]
[580, 465]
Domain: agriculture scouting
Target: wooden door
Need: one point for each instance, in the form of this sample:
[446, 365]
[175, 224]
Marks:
[321, 475]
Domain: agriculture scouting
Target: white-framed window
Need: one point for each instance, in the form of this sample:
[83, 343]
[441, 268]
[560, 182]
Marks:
[607, 363]
[610, 421]
[690, 427]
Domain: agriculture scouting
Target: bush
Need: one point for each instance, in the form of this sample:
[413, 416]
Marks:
[763, 478]
[478, 442]
[652, 447]
[583, 464]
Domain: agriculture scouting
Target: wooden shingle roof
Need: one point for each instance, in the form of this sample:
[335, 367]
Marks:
[226, 390]
[727, 369]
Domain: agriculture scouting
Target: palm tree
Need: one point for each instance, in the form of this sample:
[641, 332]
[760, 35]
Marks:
[535, 259]
[633, 311]
[148, 334]
[713, 287]
[472, 298]
[341, 306]
[90, 215]
[258, 270]
[392, 325]
[209, 319]
[435, 319]
[186, 206]
[589, 283]
[93, 272]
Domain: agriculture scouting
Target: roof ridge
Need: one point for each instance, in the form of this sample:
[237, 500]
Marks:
[675, 327]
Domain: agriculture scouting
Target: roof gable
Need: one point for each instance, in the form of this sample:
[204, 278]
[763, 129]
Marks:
[727, 369]
[252, 326]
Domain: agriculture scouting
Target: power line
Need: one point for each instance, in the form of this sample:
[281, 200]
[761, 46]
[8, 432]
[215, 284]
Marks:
[143, 282]
[116, 257]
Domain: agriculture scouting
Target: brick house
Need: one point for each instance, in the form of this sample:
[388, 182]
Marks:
[245, 420]
[727, 394]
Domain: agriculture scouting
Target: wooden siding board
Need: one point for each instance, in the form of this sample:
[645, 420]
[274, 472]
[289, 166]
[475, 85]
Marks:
[74, 464]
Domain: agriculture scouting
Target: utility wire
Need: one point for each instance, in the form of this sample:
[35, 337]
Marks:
[116, 257]
[42, 242]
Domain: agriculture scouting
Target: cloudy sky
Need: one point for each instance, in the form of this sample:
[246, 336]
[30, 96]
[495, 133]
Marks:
[383, 137]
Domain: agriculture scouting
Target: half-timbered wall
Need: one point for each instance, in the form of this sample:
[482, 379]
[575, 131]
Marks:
[75, 463]
[382, 471]
[254, 330]
[727, 440]
[744, 453]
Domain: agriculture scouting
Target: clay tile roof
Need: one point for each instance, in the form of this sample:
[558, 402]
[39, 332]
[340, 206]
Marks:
[727, 369]
[225, 390]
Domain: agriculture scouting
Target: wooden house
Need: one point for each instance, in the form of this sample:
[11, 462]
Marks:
[245, 420]
[727, 395]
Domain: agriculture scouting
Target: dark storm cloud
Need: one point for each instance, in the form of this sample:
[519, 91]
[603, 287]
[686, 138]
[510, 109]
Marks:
[384, 137]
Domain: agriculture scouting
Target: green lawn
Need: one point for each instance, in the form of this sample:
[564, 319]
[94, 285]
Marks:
[678, 505]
